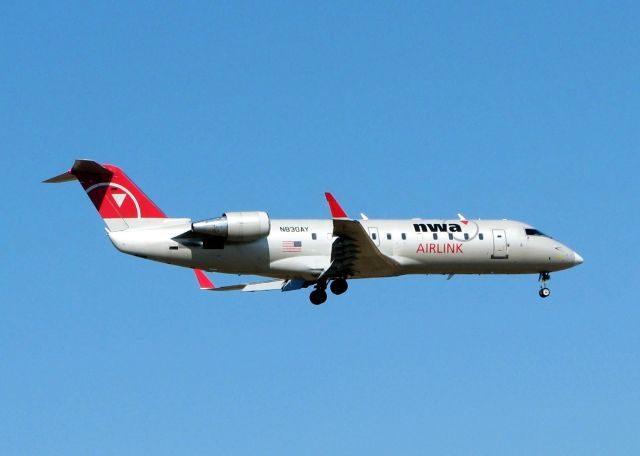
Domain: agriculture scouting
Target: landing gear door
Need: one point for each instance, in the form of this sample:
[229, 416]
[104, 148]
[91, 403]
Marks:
[500, 249]
[373, 234]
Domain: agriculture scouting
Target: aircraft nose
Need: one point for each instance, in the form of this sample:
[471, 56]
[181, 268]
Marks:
[577, 259]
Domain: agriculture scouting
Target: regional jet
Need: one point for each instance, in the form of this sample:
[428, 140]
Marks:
[300, 253]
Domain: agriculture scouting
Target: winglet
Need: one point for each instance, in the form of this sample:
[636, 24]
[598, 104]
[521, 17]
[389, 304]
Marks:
[462, 219]
[203, 280]
[336, 210]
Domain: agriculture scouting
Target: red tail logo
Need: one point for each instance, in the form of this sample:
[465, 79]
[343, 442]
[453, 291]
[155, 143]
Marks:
[115, 196]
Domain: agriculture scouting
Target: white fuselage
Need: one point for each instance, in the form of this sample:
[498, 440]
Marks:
[319, 253]
[303, 248]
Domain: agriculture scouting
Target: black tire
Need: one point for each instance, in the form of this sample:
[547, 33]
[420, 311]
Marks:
[544, 292]
[338, 286]
[318, 297]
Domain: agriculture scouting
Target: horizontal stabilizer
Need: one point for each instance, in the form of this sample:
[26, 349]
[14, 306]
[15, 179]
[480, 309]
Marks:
[253, 286]
[64, 177]
[79, 167]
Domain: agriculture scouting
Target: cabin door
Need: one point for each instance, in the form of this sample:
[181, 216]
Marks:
[500, 245]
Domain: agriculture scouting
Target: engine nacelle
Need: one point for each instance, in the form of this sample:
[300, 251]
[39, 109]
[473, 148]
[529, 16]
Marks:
[236, 226]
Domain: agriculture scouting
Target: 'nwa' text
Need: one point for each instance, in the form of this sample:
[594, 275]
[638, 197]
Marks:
[442, 227]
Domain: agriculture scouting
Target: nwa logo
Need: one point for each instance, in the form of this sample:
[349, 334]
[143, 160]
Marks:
[437, 227]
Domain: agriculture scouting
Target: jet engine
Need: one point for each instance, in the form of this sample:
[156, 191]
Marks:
[236, 226]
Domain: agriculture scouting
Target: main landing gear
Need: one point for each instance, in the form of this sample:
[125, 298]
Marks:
[339, 286]
[319, 295]
[543, 279]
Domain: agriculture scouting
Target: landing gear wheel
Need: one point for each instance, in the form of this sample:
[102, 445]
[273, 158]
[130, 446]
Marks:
[543, 279]
[338, 286]
[318, 296]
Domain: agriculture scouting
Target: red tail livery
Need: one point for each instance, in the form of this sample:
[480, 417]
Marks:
[113, 194]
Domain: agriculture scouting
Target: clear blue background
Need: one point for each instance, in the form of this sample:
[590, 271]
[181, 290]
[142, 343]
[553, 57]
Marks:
[496, 110]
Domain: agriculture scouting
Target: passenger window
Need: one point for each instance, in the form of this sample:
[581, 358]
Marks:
[389, 236]
[314, 236]
[404, 237]
[373, 236]
[435, 236]
[481, 236]
[466, 236]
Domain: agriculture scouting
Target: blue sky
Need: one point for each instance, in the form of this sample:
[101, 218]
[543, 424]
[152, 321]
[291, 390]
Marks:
[519, 110]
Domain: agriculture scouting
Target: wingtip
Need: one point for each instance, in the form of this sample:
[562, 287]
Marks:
[203, 280]
[334, 206]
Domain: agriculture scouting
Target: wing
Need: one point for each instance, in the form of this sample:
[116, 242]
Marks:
[353, 253]
[282, 285]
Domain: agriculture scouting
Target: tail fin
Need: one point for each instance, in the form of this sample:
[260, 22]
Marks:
[118, 200]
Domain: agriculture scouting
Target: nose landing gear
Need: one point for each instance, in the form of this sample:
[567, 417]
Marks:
[543, 279]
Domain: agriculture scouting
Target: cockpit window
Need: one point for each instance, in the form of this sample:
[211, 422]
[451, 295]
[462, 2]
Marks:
[534, 232]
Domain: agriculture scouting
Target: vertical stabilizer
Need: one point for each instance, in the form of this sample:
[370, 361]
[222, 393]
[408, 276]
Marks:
[118, 200]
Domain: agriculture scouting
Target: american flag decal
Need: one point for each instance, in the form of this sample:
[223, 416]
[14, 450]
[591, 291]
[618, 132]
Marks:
[292, 246]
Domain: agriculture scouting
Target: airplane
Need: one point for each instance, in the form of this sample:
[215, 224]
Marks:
[301, 253]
